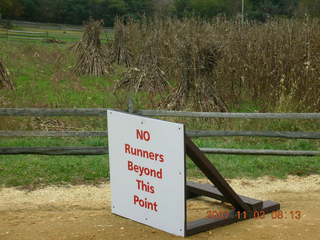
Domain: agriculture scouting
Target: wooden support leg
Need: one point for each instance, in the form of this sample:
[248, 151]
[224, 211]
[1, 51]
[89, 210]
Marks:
[197, 189]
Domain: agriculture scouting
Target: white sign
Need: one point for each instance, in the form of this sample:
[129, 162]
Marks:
[147, 170]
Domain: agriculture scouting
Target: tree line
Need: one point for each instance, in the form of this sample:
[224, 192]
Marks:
[77, 11]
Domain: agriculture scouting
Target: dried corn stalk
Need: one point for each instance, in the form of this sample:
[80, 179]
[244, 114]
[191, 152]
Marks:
[91, 57]
[173, 59]
[5, 81]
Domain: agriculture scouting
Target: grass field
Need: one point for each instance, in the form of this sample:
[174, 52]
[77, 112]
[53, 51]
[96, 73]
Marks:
[42, 74]
[33, 171]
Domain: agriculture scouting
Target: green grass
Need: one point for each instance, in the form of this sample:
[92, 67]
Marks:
[33, 171]
[237, 166]
[258, 166]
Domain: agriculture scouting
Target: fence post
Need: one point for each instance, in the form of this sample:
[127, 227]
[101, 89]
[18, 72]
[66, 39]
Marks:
[130, 105]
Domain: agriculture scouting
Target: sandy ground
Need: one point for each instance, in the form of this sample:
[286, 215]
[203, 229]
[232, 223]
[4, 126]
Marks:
[83, 213]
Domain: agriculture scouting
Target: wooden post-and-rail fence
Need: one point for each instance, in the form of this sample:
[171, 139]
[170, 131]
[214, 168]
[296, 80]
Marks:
[102, 112]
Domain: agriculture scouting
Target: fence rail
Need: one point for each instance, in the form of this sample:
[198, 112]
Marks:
[53, 133]
[13, 34]
[192, 133]
[54, 150]
[102, 112]
[259, 152]
[104, 150]
[52, 26]
[161, 113]
[58, 112]
[73, 35]
[289, 135]
[155, 113]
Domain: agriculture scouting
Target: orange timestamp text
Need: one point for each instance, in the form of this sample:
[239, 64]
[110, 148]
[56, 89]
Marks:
[258, 214]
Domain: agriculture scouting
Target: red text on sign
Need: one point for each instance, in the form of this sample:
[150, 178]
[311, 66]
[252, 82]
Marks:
[145, 170]
[145, 203]
[145, 186]
[143, 135]
[143, 153]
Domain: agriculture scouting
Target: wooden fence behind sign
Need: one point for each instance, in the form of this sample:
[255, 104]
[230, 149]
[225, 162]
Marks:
[75, 35]
[23, 35]
[102, 112]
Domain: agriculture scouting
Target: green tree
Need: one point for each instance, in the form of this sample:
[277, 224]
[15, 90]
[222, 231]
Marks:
[203, 8]
[309, 7]
[10, 8]
[78, 11]
[262, 9]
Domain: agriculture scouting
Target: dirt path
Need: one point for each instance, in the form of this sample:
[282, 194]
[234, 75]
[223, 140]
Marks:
[83, 213]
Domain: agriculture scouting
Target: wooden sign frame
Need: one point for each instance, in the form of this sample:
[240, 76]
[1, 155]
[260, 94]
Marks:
[220, 190]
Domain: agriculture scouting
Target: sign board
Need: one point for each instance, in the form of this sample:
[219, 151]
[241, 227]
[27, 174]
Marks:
[147, 170]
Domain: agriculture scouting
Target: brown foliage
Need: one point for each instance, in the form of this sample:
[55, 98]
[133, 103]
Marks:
[170, 56]
[195, 64]
[273, 64]
[5, 81]
[91, 57]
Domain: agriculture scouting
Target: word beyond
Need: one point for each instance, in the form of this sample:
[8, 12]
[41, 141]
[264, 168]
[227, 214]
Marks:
[145, 170]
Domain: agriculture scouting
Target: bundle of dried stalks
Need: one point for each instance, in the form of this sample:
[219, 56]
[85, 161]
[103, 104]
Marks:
[170, 56]
[120, 50]
[144, 67]
[53, 40]
[196, 75]
[5, 81]
[91, 58]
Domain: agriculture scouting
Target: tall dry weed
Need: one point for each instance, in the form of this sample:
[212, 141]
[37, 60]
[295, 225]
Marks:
[206, 66]
[275, 64]
[172, 58]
